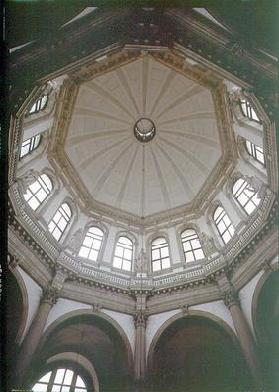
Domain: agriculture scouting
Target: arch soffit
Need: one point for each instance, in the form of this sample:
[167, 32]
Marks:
[255, 299]
[87, 312]
[25, 306]
[190, 313]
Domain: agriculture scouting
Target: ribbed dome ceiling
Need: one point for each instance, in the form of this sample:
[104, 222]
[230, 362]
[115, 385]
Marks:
[122, 172]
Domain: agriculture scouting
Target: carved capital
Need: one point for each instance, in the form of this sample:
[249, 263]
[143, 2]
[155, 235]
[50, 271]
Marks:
[12, 261]
[96, 307]
[185, 309]
[50, 295]
[230, 298]
[140, 319]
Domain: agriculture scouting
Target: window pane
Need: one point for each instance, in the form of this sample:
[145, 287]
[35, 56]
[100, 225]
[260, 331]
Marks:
[199, 254]
[68, 377]
[187, 246]
[88, 241]
[96, 244]
[79, 382]
[56, 388]
[39, 388]
[226, 237]
[117, 262]
[189, 256]
[59, 376]
[195, 244]
[118, 251]
[93, 255]
[34, 204]
[166, 263]
[155, 254]
[164, 251]
[126, 265]
[45, 378]
[84, 252]
[156, 265]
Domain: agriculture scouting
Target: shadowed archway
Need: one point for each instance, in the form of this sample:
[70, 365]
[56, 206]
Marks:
[194, 353]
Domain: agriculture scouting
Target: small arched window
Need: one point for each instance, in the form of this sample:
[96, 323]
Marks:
[160, 255]
[29, 145]
[38, 191]
[223, 224]
[248, 110]
[92, 243]
[60, 221]
[191, 245]
[123, 254]
[62, 380]
[255, 151]
[246, 195]
[39, 105]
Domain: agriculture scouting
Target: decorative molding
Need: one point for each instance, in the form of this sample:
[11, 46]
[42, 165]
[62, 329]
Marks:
[140, 318]
[50, 295]
[231, 298]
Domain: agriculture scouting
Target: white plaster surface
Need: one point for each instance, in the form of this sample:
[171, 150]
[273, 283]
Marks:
[34, 293]
[126, 322]
[154, 322]
[246, 297]
[62, 307]
[218, 309]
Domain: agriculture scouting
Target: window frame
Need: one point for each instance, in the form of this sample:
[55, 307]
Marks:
[227, 227]
[63, 215]
[34, 194]
[102, 241]
[53, 373]
[248, 110]
[192, 250]
[160, 259]
[250, 198]
[254, 151]
[39, 104]
[33, 144]
[122, 258]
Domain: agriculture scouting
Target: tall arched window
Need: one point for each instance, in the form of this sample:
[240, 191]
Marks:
[38, 191]
[255, 151]
[39, 105]
[191, 245]
[246, 195]
[160, 255]
[248, 110]
[92, 243]
[60, 221]
[60, 380]
[223, 224]
[29, 145]
[123, 254]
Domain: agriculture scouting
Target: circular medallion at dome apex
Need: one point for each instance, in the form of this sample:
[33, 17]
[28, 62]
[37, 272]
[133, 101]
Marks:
[144, 130]
[111, 169]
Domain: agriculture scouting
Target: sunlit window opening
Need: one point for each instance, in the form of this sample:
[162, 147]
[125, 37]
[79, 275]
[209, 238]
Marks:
[29, 145]
[60, 380]
[39, 105]
[191, 245]
[255, 151]
[160, 255]
[60, 221]
[248, 110]
[123, 254]
[92, 243]
[38, 191]
[246, 196]
[223, 224]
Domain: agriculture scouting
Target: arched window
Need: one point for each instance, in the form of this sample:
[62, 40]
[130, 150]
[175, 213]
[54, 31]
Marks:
[29, 145]
[246, 195]
[191, 245]
[123, 254]
[60, 380]
[91, 245]
[224, 224]
[248, 110]
[255, 151]
[39, 105]
[60, 221]
[160, 255]
[38, 191]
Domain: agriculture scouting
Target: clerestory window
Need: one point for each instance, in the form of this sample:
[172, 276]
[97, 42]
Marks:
[123, 254]
[223, 224]
[92, 243]
[60, 221]
[29, 145]
[60, 380]
[246, 195]
[255, 151]
[38, 191]
[191, 245]
[160, 256]
[248, 110]
[39, 105]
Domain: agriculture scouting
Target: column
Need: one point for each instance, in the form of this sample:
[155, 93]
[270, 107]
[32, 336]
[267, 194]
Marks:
[140, 325]
[244, 336]
[35, 332]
